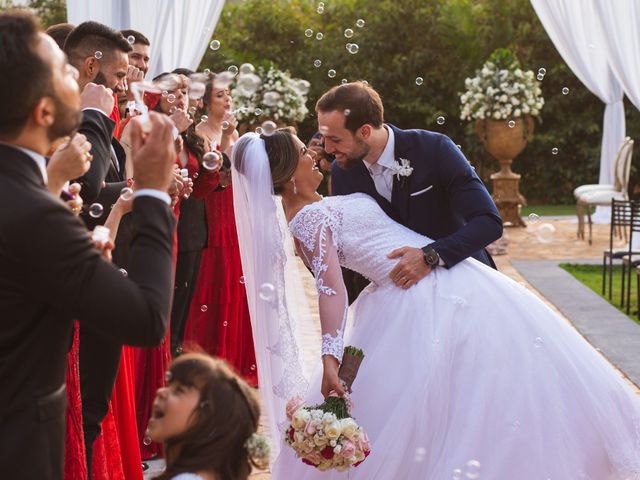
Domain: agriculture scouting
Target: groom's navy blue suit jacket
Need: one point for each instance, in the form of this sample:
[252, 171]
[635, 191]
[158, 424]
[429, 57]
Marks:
[443, 198]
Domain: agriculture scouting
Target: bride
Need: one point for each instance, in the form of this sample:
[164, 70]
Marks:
[466, 371]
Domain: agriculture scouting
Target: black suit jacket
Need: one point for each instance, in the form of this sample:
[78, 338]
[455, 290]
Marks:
[50, 274]
[443, 198]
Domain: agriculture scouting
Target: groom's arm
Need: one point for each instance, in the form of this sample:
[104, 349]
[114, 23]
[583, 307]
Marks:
[470, 199]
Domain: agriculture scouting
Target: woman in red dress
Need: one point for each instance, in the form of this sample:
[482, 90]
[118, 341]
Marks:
[219, 317]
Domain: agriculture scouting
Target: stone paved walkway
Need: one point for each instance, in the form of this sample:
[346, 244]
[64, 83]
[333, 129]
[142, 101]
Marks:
[547, 239]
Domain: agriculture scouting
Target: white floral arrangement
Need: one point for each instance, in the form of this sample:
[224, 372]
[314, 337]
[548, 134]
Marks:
[501, 90]
[322, 439]
[269, 94]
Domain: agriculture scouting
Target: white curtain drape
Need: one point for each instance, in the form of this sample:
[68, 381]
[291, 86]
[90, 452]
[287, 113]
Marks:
[575, 29]
[619, 19]
[179, 30]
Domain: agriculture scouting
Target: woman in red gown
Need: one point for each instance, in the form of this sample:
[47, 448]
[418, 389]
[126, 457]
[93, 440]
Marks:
[219, 317]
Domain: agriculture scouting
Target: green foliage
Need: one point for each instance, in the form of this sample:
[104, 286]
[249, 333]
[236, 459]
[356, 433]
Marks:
[50, 11]
[443, 41]
[353, 351]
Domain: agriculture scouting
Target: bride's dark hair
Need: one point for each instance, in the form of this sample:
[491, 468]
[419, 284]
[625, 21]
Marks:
[282, 153]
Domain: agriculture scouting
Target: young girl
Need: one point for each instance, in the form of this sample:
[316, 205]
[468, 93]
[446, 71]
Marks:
[207, 418]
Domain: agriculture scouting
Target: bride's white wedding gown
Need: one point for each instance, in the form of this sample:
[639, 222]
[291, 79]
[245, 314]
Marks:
[467, 365]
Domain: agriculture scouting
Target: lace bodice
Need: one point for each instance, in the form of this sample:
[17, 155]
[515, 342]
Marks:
[350, 231]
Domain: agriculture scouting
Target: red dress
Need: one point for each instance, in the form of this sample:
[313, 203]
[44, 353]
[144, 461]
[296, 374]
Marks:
[219, 316]
[152, 363]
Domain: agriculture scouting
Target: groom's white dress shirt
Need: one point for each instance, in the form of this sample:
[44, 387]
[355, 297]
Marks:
[382, 170]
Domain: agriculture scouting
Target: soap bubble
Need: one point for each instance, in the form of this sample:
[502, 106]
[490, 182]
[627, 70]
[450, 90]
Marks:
[247, 68]
[542, 71]
[317, 63]
[360, 23]
[319, 36]
[267, 292]
[211, 160]
[96, 210]
[214, 45]
[308, 33]
[271, 99]
[540, 77]
[565, 91]
[126, 193]
[331, 73]
[233, 70]
[533, 218]
[171, 98]
[98, 54]
[269, 128]
[419, 81]
[440, 120]
[348, 33]
[131, 39]
[545, 233]
[554, 151]
[353, 48]
[204, 308]
[472, 470]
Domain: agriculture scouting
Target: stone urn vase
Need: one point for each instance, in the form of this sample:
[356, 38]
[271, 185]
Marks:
[504, 140]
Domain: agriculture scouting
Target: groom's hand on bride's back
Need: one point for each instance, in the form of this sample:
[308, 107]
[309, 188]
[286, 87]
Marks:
[410, 269]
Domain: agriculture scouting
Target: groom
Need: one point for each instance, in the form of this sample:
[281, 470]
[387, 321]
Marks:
[419, 178]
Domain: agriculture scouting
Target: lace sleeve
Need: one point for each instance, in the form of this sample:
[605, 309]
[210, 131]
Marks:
[319, 249]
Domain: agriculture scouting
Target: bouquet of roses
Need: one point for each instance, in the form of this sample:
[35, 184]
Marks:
[325, 436]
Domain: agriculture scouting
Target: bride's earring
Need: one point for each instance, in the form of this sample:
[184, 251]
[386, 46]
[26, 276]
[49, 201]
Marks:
[295, 190]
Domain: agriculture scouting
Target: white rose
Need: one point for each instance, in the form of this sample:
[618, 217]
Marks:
[328, 418]
[349, 427]
[333, 430]
[300, 418]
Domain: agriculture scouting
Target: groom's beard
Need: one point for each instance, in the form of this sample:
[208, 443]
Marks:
[351, 160]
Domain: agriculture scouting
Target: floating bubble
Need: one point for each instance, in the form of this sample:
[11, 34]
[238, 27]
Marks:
[542, 71]
[320, 10]
[248, 84]
[419, 81]
[545, 233]
[419, 455]
[247, 68]
[565, 91]
[233, 70]
[331, 73]
[360, 23]
[511, 123]
[456, 474]
[347, 112]
[165, 94]
[171, 98]
[268, 129]
[192, 110]
[146, 440]
[196, 90]
[515, 425]
[257, 112]
[271, 99]
[131, 39]
[353, 48]
[317, 63]
[364, 82]
[319, 36]
[253, 367]
[472, 470]
[348, 33]
[207, 72]
[267, 292]
[96, 210]
[204, 308]
[204, 118]
[343, 81]
[211, 160]
[173, 110]
[302, 87]
[258, 130]
[224, 125]
[554, 151]
[308, 33]
[440, 120]
[126, 193]
[123, 272]
[533, 218]
[98, 54]
[540, 77]
[538, 342]
[225, 323]
[214, 45]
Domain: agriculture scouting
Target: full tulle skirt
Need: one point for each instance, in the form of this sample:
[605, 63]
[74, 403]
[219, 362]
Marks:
[469, 373]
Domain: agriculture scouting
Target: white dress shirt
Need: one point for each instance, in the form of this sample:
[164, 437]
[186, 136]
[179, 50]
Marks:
[382, 170]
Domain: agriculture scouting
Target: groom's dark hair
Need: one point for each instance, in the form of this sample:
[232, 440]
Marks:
[362, 103]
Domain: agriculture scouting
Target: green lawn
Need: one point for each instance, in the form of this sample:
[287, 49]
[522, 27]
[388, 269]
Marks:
[591, 276]
[548, 210]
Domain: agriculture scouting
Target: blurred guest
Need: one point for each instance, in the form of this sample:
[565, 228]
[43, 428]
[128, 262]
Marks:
[140, 48]
[50, 268]
[59, 32]
[219, 317]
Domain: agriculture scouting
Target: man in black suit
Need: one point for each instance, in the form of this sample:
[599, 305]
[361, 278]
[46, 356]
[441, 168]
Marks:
[419, 178]
[100, 54]
[50, 271]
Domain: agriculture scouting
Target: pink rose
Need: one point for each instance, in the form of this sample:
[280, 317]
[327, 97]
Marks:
[348, 449]
[292, 405]
[310, 429]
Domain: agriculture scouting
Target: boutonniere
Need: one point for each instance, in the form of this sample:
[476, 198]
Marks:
[402, 170]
